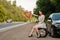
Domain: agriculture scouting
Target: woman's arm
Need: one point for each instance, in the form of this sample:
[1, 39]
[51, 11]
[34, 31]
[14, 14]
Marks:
[35, 15]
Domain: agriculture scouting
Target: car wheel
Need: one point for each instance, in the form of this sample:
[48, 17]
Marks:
[52, 32]
[42, 32]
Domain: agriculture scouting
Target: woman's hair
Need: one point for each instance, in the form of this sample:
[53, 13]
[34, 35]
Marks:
[41, 11]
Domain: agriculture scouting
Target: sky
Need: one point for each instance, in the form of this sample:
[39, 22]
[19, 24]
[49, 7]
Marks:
[26, 4]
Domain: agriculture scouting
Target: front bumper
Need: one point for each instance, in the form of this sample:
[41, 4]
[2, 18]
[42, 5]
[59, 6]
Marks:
[57, 30]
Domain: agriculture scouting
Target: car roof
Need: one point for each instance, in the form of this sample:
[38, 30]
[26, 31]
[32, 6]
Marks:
[53, 14]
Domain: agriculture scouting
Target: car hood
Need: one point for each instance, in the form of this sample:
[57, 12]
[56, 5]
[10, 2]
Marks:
[56, 22]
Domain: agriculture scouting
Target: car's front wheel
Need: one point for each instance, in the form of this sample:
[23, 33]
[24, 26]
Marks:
[52, 33]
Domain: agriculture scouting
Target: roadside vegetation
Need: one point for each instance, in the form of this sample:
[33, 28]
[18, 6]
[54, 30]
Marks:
[16, 13]
[48, 6]
[8, 10]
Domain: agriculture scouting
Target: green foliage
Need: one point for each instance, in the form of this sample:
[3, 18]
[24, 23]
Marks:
[48, 6]
[11, 11]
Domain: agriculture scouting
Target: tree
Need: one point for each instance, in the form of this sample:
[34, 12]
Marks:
[48, 6]
[11, 11]
[14, 3]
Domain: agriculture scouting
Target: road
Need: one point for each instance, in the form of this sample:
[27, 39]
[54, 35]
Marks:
[21, 33]
[3, 25]
[7, 26]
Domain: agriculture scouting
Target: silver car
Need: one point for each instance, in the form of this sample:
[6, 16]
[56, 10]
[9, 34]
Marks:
[54, 19]
[9, 20]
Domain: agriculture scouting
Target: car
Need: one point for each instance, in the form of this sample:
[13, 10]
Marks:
[54, 20]
[9, 20]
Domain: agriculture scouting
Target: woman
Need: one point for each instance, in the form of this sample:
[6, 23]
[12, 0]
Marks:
[40, 24]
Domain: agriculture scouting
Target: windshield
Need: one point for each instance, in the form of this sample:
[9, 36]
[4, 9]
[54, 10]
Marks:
[56, 17]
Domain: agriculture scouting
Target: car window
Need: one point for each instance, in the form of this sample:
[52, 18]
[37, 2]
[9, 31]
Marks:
[56, 17]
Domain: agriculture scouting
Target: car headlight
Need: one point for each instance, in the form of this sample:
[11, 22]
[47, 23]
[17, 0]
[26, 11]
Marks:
[57, 25]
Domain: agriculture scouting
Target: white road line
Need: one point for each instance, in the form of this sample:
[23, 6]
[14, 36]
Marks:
[10, 27]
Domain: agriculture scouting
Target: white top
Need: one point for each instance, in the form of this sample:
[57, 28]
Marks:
[41, 19]
[41, 23]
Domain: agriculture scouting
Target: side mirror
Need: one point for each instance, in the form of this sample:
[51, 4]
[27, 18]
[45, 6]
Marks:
[49, 20]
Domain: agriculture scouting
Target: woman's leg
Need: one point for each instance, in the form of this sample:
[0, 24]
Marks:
[35, 28]
[37, 32]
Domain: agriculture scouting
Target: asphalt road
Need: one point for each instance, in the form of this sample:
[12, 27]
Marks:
[21, 33]
[3, 25]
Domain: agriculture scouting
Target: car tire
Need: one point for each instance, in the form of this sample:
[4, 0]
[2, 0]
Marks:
[52, 32]
[42, 32]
